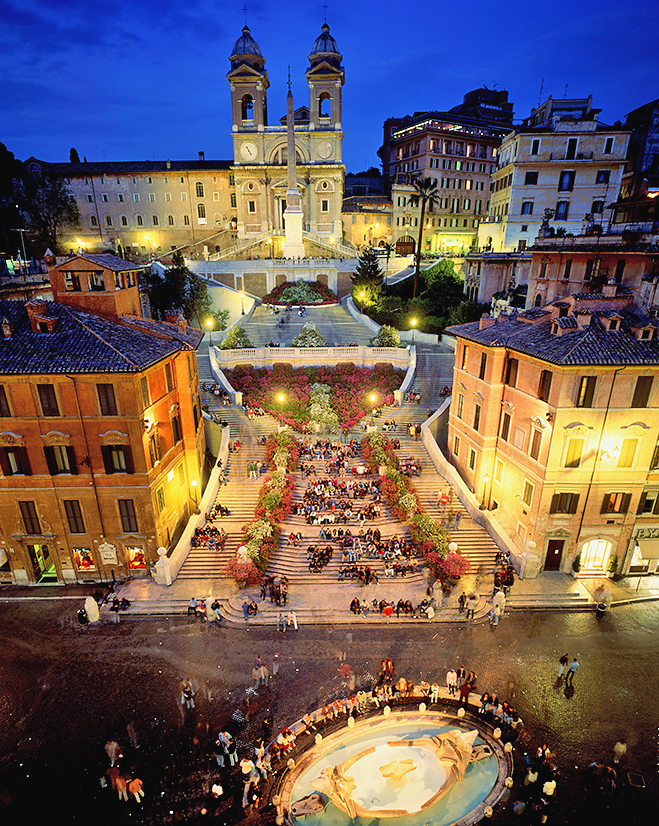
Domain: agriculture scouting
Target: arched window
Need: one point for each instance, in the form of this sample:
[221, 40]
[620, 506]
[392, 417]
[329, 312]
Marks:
[538, 300]
[124, 221]
[154, 219]
[170, 220]
[139, 220]
[325, 106]
[247, 107]
[186, 220]
[201, 210]
[93, 221]
[200, 189]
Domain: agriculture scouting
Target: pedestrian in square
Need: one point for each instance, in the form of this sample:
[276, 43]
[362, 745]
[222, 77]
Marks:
[572, 670]
[562, 665]
[472, 602]
[275, 664]
[462, 601]
[135, 788]
[451, 681]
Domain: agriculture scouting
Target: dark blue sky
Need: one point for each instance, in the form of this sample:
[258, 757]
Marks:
[146, 79]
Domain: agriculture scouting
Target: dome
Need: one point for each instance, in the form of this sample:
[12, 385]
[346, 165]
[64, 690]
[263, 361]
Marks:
[325, 43]
[247, 45]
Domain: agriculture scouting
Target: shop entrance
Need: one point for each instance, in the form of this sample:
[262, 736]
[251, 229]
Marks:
[554, 554]
[43, 566]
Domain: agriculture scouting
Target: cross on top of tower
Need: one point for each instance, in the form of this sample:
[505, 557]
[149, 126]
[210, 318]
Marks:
[245, 13]
[325, 7]
[289, 77]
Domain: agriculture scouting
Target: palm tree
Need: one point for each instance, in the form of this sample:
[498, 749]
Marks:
[425, 192]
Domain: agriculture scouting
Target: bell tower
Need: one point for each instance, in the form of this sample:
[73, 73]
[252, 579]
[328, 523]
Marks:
[326, 78]
[249, 83]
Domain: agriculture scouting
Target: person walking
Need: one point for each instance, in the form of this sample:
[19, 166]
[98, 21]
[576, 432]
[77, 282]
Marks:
[275, 664]
[456, 522]
[135, 788]
[572, 670]
[472, 602]
[495, 611]
[451, 681]
[264, 674]
[461, 676]
[462, 601]
[562, 665]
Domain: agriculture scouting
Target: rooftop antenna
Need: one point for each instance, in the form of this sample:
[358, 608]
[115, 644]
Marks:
[565, 92]
[542, 86]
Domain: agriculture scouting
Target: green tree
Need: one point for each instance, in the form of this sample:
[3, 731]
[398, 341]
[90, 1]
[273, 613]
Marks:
[46, 205]
[237, 339]
[178, 290]
[425, 193]
[73, 155]
[368, 277]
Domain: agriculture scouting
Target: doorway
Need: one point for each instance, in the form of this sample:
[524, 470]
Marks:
[43, 566]
[594, 555]
[554, 554]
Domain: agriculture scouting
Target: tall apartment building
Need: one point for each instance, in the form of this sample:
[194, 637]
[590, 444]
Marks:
[457, 150]
[563, 160]
[102, 443]
[554, 424]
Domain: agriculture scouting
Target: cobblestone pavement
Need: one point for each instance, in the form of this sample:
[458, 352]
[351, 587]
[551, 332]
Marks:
[66, 690]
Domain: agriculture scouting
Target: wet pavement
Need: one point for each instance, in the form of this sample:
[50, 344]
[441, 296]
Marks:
[66, 690]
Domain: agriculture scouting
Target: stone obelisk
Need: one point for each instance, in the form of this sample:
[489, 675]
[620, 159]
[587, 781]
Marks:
[293, 243]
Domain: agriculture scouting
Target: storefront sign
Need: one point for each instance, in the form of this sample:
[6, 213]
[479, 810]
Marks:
[647, 533]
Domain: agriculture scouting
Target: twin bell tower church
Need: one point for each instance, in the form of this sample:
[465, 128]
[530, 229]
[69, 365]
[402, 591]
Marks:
[289, 177]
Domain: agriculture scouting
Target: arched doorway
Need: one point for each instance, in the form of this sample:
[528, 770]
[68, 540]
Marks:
[405, 245]
[595, 555]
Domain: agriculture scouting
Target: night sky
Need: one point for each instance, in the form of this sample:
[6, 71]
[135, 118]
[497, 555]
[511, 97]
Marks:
[146, 79]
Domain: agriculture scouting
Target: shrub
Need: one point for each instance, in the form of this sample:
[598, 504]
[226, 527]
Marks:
[237, 339]
[386, 337]
[309, 337]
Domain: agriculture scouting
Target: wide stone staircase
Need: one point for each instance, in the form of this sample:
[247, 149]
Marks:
[333, 322]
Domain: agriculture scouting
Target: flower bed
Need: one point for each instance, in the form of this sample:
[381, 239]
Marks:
[350, 388]
[428, 536]
[301, 292]
[261, 535]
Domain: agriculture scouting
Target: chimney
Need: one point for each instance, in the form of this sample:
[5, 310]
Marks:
[169, 164]
[609, 290]
[6, 328]
[182, 324]
[202, 156]
[485, 321]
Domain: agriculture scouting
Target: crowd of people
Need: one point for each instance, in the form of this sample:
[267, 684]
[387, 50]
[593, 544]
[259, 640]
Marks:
[208, 536]
[122, 774]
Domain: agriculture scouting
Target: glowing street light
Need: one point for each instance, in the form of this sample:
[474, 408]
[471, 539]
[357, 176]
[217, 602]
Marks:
[194, 493]
[362, 295]
[209, 322]
[486, 480]
[413, 322]
[242, 303]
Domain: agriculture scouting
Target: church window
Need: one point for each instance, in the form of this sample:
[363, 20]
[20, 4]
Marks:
[139, 220]
[233, 199]
[199, 188]
[325, 106]
[168, 196]
[247, 107]
[170, 220]
[108, 220]
[93, 221]
[124, 221]
[155, 220]
[186, 220]
[201, 210]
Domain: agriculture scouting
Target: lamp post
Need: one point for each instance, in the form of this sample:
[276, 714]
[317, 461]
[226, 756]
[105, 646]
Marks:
[373, 399]
[413, 323]
[209, 322]
[362, 295]
[242, 303]
[22, 244]
[194, 493]
[486, 480]
[281, 398]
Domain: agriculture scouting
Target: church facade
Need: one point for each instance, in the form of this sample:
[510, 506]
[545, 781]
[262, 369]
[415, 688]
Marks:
[261, 150]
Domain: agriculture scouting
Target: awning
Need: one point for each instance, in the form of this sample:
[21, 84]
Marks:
[649, 548]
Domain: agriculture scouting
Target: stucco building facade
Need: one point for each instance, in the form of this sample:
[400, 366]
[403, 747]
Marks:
[554, 425]
[102, 438]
